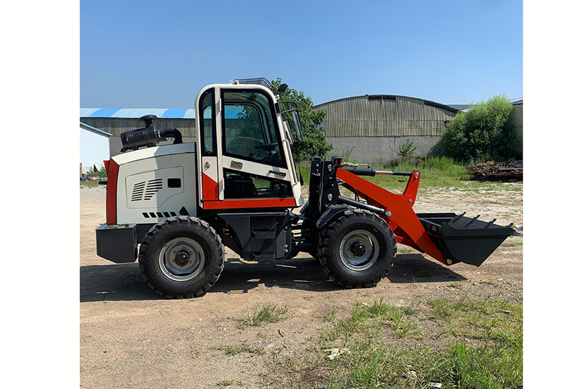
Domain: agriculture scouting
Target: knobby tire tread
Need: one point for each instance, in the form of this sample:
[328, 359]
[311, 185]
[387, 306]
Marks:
[181, 222]
[325, 243]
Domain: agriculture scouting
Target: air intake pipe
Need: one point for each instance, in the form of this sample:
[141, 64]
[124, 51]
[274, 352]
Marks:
[148, 136]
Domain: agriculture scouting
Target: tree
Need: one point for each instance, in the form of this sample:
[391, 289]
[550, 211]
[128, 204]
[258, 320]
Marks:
[314, 142]
[485, 131]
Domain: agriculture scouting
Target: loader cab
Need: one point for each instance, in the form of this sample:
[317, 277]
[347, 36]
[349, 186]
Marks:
[244, 150]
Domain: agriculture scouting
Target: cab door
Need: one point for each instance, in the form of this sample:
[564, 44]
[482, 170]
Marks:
[250, 156]
[207, 135]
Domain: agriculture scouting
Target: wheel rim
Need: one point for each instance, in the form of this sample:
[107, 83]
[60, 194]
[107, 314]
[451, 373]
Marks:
[359, 250]
[181, 259]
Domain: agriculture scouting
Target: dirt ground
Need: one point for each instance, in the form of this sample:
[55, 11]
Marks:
[130, 337]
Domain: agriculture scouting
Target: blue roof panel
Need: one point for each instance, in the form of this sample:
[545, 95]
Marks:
[138, 112]
[86, 112]
[104, 113]
[174, 113]
[161, 113]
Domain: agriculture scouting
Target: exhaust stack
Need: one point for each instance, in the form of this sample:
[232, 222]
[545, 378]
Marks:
[148, 136]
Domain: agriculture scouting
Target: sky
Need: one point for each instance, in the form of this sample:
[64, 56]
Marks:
[149, 54]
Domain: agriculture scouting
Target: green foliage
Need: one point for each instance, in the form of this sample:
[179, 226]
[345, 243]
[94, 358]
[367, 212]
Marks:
[95, 171]
[439, 163]
[480, 345]
[314, 142]
[407, 149]
[486, 131]
[240, 348]
[441, 172]
[436, 173]
[268, 313]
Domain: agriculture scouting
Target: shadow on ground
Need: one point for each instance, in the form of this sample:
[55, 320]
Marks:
[124, 282]
[415, 268]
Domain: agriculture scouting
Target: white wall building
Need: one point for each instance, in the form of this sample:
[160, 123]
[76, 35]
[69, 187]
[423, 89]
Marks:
[94, 147]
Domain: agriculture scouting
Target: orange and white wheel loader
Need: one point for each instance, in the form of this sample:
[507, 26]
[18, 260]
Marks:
[177, 206]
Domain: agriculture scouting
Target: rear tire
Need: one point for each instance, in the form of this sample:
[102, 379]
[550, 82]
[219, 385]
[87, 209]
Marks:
[181, 257]
[357, 249]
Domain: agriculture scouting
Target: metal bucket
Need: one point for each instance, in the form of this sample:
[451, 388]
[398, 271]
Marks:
[464, 239]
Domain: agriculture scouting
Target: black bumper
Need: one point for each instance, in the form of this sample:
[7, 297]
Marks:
[118, 243]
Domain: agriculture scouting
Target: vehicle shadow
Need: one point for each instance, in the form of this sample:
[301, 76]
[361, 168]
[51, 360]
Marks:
[124, 282]
[300, 273]
[113, 283]
[415, 268]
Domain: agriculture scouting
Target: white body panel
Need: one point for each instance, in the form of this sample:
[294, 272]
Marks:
[156, 183]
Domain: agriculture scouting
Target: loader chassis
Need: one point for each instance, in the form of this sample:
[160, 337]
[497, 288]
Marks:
[176, 207]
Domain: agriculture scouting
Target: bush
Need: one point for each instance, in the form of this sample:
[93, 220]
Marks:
[486, 131]
[407, 149]
[314, 142]
[96, 172]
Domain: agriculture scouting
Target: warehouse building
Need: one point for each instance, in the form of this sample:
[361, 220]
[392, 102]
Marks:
[369, 128]
[372, 128]
[115, 121]
[94, 147]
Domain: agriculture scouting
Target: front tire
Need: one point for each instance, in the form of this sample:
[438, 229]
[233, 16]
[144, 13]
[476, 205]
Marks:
[181, 257]
[357, 249]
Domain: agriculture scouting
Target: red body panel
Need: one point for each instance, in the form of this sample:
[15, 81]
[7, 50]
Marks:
[288, 202]
[209, 188]
[112, 176]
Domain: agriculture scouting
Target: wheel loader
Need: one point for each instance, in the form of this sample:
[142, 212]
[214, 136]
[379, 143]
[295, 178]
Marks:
[176, 206]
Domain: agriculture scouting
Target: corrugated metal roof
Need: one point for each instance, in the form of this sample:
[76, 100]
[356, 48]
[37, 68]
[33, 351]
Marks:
[391, 97]
[385, 115]
[161, 113]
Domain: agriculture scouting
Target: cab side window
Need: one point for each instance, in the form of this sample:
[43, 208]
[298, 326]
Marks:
[207, 116]
[250, 132]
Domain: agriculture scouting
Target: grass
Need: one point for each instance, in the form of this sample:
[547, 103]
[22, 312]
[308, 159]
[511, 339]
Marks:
[490, 320]
[473, 344]
[436, 172]
[512, 244]
[228, 382]
[368, 319]
[267, 313]
[89, 184]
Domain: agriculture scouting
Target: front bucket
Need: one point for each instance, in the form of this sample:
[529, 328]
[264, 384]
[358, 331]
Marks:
[464, 239]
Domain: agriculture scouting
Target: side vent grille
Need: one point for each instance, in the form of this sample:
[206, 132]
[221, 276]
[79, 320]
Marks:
[152, 187]
[138, 191]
